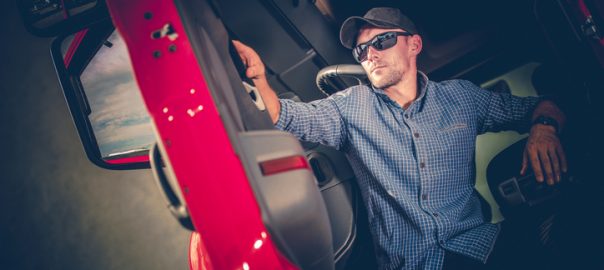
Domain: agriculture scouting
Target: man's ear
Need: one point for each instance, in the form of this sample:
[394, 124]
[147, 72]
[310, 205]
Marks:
[415, 44]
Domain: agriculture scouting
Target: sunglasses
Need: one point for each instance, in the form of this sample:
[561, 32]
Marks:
[380, 42]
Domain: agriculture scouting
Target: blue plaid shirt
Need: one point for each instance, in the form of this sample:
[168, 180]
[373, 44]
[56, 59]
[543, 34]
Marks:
[415, 166]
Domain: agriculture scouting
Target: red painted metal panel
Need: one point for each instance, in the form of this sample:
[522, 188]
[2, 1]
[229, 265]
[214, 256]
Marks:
[219, 198]
[585, 15]
[74, 46]
[128, 160]
[198, 256]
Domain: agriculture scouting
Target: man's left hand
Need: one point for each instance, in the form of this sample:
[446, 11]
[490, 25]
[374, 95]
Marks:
[545, 154]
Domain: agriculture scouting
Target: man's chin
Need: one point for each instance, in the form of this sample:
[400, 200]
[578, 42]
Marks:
[383, 82]
[379, 84]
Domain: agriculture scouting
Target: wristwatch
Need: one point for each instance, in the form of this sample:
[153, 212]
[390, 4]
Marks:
[544, 120]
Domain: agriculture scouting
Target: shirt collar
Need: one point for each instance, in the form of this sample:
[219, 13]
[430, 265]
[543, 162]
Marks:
[422, 87]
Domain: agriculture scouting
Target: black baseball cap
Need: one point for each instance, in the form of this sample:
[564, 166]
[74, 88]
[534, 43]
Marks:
[383, 17]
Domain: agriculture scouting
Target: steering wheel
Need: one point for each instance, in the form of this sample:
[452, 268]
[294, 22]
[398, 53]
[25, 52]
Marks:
[331, 72]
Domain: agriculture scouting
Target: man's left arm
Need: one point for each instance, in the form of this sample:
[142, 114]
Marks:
[544, 120]
[543, 149]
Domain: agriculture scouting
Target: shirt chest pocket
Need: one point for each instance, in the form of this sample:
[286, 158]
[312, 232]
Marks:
[456, 143]
[454, 127]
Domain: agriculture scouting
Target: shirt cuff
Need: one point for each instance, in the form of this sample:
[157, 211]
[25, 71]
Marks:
[283, 114]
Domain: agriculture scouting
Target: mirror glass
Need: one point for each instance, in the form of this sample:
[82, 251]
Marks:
[118, 116]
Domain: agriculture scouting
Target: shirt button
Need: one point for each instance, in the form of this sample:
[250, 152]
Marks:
[435, 214]
[422, 165]
[416, 135]
[407, 116]
[424, 197]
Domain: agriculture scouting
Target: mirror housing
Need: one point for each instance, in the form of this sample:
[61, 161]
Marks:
[51, 18]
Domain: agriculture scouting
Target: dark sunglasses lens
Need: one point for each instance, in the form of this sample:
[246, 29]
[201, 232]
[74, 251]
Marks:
[380, 43]
[360, 53]
[386, 42]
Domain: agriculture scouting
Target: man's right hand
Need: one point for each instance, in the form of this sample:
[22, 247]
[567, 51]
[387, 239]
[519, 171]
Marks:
[255, 70]
[253, 64]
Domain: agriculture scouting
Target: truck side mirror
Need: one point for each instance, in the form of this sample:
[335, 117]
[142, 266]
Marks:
[94, 68]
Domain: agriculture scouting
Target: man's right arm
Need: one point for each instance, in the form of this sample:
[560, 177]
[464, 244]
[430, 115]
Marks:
[256, 72]
[319, 121]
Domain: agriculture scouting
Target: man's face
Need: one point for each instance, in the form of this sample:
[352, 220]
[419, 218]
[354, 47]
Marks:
[387, 67]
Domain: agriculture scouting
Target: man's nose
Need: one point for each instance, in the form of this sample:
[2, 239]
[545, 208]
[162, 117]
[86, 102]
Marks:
[372, 53]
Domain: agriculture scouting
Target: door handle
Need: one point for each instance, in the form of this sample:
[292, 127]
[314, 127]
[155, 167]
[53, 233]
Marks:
[175, 203]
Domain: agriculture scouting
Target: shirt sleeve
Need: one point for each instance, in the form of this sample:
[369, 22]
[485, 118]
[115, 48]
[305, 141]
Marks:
[501, 111]
[319, 121]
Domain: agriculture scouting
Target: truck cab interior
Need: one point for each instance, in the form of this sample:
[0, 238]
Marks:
[522, 47]
[526, 48]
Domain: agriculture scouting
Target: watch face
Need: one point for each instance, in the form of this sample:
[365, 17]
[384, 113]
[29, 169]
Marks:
[544, 120]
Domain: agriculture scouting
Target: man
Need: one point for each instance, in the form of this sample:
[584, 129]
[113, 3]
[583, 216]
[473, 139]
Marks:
[411, 143]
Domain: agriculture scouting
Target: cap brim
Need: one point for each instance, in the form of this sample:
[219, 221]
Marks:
[351, 26]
